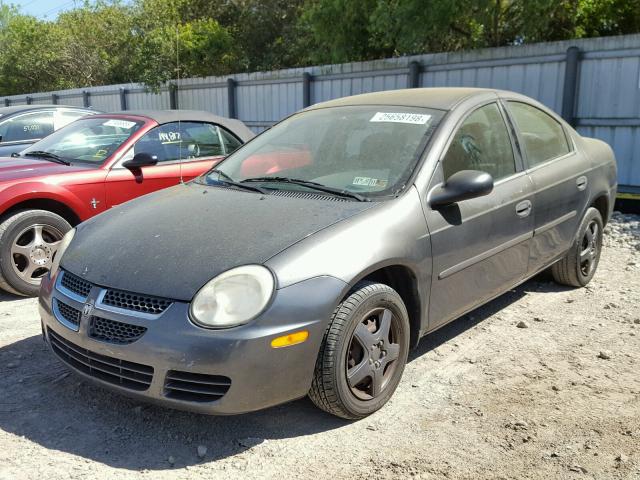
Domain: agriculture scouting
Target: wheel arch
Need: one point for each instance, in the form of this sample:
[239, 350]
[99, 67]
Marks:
[601, 203]
[48, 204]
[403, 280]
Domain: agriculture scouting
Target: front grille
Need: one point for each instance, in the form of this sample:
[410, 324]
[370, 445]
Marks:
[195, 387]
[75, 284]
[133, 376]
[111, 331]
[68, 313]
[136, 302]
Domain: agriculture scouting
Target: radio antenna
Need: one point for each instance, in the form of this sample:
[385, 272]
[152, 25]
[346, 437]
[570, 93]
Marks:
[176, 96]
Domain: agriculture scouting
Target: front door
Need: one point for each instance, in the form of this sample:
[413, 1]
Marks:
[480, 247]
[183, 150]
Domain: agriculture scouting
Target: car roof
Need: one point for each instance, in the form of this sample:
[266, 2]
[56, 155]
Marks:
[437, 98]
[26, 108]
[168, 116]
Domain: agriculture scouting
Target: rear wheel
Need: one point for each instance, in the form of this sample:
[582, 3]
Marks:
[363, 353]
[579, 266]
[29, 241]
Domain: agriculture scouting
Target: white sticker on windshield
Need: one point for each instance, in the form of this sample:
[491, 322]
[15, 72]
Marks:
[369, 182]
[119, 123]
[413, 118]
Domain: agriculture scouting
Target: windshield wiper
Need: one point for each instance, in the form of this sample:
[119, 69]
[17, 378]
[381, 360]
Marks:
[47, 156]
[227, 180]
[309, 184]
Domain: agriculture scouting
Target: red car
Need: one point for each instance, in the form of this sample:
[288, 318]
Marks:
[92, 165]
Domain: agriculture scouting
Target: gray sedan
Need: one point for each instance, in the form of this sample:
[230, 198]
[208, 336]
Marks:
[314, 257]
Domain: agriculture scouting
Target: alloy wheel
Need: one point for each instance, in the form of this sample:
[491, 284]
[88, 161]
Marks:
[589, 248]
[33, 251]
[373, 354]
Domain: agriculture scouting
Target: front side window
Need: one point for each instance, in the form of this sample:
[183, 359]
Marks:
[181, 141]
[481, 143]
[30, 126]
[367, 150]
[542, 135]
[88, 140]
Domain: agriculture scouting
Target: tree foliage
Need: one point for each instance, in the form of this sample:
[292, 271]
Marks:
[152, 41]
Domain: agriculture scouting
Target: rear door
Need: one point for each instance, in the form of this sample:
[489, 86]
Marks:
[184, 150]
[480, 247]
[557, 171]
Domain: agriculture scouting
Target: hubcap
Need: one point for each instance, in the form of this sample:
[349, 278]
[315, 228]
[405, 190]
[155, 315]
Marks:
[373, 354]
[589, 248]
[33, 252]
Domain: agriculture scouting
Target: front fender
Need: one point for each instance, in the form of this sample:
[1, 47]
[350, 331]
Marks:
[392, 233]
[16, 194]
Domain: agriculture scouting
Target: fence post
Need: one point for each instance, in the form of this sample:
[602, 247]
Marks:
[231, 97]
[570, 90]
[173, 96]
[28, 99]
[85, 98]
[7, 102]
[54, 98]
[414, 75]
[123, 98]
[306, 89]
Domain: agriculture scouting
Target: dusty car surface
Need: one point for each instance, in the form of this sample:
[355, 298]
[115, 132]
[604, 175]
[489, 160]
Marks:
[314, 257]
[90, 166]
[23, 125]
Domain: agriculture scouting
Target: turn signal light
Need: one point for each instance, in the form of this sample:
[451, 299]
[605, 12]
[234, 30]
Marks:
[291, 339]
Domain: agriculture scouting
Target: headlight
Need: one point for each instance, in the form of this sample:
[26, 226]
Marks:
[64, 243]
[233, 297]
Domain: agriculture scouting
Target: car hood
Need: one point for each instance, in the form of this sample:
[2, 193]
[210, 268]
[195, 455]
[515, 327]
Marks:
[170, 243]
[28, 167]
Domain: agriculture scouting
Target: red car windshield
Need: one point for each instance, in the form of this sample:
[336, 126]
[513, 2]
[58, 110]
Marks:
[364, 150]
[87, 140]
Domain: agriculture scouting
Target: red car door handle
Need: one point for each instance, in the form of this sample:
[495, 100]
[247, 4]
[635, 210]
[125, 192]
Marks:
[523, 209]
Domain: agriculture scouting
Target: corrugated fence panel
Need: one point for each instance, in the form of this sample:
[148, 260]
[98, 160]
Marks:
[140, 100]
[607, 102]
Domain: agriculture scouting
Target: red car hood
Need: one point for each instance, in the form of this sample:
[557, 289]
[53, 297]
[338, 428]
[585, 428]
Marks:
[29, 167]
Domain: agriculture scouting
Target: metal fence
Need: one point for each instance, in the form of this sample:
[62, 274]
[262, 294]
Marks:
[593, 83]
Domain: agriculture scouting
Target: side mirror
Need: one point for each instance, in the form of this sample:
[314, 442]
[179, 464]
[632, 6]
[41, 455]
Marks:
[462, 185]
[140, 160]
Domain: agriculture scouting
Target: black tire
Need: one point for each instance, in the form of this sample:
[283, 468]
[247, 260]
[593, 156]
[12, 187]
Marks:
[362, 315]
[14, 231]
[577, 267]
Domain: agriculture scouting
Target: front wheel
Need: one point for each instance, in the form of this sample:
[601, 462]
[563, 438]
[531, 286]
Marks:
[363, 352]
[579, 265]
[29, 242]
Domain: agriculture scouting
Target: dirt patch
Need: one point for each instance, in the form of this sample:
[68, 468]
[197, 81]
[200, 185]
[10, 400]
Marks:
[556, 396]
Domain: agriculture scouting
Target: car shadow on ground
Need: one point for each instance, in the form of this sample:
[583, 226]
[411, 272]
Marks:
[41, 401]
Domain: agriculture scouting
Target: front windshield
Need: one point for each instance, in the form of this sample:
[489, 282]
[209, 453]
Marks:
[87, 140]
[368, 150]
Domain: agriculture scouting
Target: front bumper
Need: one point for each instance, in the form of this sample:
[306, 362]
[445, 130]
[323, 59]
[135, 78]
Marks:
[259, 375]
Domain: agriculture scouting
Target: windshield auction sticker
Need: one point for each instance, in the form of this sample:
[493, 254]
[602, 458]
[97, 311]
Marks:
[413, 118]
[119, 123]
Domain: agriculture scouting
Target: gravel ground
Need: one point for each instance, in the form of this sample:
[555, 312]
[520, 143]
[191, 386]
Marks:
[541, 383]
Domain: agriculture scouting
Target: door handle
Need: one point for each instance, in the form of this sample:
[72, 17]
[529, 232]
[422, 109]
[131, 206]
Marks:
[581, 182]
[523, 209]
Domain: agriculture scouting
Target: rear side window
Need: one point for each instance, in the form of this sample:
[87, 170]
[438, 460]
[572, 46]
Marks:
[481, 143]
[543, 136]
[231, 143]
[30, 126]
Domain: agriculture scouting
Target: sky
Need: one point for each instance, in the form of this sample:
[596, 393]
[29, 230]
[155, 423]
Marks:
[44, 9]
